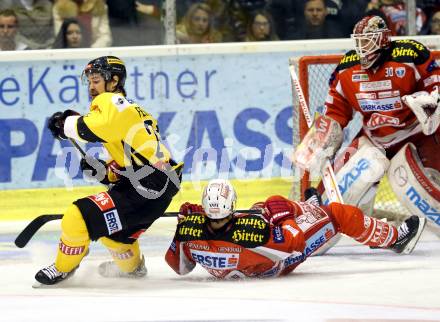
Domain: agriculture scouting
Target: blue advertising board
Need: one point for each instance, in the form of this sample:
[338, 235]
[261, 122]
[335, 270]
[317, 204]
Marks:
[227, 114]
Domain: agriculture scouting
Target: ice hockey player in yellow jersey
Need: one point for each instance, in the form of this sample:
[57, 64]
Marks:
[141, 176]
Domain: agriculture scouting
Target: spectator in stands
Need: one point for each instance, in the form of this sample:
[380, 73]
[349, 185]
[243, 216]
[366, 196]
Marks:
[286, 14]
[261, 27]
[70, 35]
[314, 24]
[434, 24]
[197, 26]
[34, 20]
[135, 23]
[8, 31]
[346, 13]
[93, 16]
[394, 12]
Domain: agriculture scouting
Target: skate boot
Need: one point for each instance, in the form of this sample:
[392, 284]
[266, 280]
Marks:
[409, 233]
[50, 276]
[110, 269]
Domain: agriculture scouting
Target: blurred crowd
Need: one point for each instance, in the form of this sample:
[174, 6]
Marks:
[42, 24]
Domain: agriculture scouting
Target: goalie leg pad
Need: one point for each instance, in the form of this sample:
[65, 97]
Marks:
[413, 184]
[359, 174]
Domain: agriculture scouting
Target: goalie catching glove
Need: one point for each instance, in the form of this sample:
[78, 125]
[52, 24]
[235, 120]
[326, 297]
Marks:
[56, 123]
[321, 142]
[425, 107]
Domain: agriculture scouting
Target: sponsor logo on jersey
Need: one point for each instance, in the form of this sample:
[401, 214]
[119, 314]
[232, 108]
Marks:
[173, 246]
[318, 239]
[293, 259]
[278, 236]
[359, 77]
[225, 249]
[122, 256]
[404, 52]
[245, 236]
[432, 65]
[375, 86]
[190, 231]
[416, 44]
[385, 104]
[387, 94]
[198, 246]
[193, 218]
[103, 201]
[112, 221]
[349, 58]
[431, 80]
[215, 260]
[70, 250]
[270, 273]
[400, 71]
[253, 222]
[370, 96]
[379, 120]
[353, 174]
[428, 210]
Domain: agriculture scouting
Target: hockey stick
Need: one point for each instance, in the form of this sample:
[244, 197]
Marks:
[327, 173]
[31, 229]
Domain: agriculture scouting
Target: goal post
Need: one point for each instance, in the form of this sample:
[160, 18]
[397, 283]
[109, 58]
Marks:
[314, 73]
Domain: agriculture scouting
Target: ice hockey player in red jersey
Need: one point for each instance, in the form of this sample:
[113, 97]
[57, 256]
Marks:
[394, 85]
[232, 245]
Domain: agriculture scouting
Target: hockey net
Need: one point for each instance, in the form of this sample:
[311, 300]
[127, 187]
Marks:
[313, 74]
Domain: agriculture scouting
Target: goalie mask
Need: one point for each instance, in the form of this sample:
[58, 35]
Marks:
[107, 67]
[371, 35]
[219, 199]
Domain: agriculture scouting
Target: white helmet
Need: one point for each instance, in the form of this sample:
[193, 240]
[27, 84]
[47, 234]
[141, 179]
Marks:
[219, 199]
[370, 35]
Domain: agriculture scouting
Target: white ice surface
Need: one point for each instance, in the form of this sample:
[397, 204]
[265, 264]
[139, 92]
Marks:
[349, 283]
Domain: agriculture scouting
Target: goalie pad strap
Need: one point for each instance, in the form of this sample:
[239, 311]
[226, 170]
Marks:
[412, 184]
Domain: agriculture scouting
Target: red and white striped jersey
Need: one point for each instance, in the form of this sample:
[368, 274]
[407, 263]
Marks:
[407, 67]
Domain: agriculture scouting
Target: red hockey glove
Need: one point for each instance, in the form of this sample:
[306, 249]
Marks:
[189, 208]
[277, 209]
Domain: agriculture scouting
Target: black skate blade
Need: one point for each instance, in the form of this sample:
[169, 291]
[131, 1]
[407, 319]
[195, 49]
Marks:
[410, 247]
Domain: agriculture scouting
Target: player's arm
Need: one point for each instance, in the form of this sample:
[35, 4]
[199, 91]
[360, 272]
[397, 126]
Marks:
[426, 100]
[96, 126]
[286, 234]
[176, 256]
[177, 259]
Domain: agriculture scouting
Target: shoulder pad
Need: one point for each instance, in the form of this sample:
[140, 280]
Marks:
[409, 51]
[350, 59]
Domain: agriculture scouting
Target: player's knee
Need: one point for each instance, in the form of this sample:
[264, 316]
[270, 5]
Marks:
[73, 225]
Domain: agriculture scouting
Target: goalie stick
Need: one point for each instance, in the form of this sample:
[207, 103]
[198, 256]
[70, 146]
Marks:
[31, 229]
[327, 173]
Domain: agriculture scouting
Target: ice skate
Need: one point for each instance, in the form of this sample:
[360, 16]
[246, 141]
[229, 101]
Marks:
[51, 276]
[409, 233]
[110, 269]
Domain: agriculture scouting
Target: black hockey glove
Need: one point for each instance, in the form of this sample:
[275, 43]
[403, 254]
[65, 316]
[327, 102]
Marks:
[56, 123]
[311, 195]
[94, 168]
